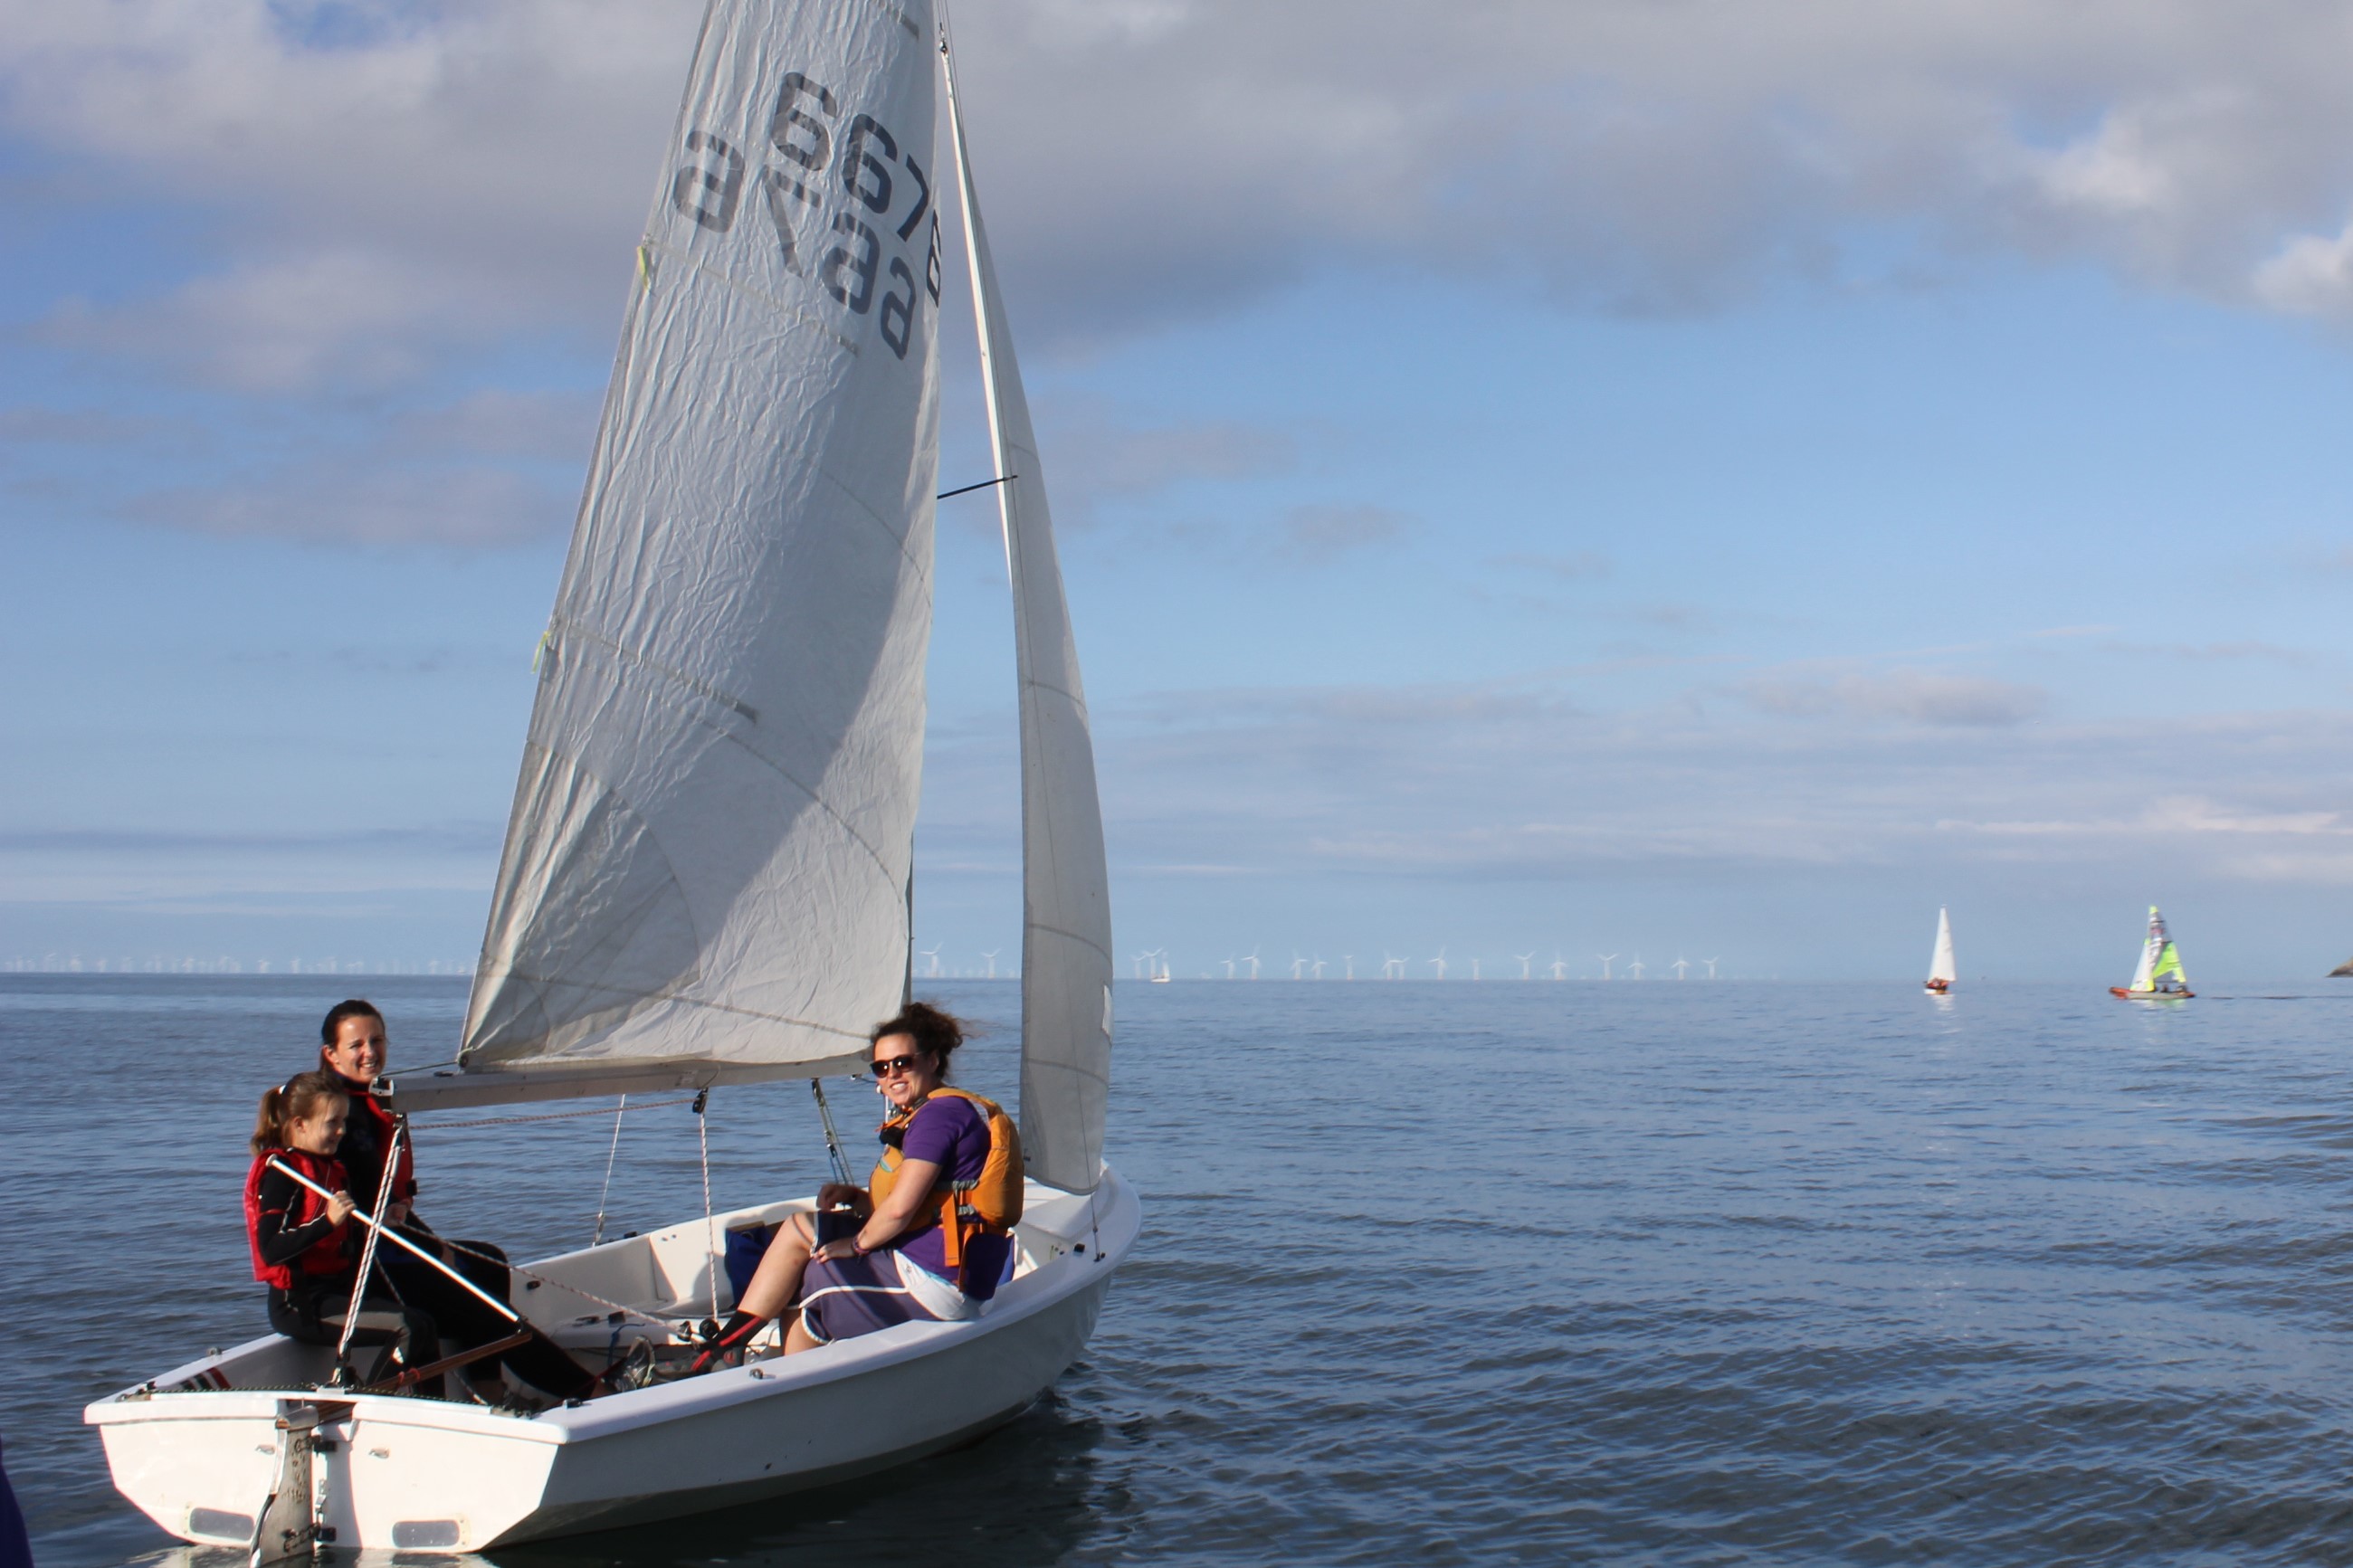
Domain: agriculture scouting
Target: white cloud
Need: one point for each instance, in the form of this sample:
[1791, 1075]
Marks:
[1912, 696]
[487, 165]
[1100, 459]
[351, 320]
[1319, 534]
[2174, 815]
[1583, 565]
[2311, 275]
[1511, 781]
[460, 506]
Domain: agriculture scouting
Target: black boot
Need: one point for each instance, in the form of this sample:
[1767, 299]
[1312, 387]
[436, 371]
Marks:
[725, 1347]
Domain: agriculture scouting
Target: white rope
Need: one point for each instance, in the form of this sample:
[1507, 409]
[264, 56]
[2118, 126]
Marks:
[710, 1226]
[386, 1181]
[612, 1154]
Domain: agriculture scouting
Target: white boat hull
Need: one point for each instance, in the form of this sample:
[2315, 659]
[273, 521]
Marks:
[420, 1475]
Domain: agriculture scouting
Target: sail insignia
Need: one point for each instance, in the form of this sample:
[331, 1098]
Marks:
[707, 860]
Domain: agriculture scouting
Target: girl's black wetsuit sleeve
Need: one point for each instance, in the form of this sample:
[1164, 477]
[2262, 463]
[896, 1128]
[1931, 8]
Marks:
[277, 1240]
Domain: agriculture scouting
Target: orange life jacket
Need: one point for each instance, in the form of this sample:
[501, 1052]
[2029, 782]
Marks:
[989, 1204]
[324, 1257]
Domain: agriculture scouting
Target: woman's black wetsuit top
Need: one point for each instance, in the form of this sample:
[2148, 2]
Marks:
[368, 1131]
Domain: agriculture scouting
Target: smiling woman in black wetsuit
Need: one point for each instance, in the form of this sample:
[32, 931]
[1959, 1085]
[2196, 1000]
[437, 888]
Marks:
[352, 1049]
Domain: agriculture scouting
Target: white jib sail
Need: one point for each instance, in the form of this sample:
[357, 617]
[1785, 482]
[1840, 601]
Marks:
[1066, 962]
[1940, 962]
[2150, 952]
[708, 855]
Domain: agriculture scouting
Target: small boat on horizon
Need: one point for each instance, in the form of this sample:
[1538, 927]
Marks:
[2158, 977]
[1941, 970]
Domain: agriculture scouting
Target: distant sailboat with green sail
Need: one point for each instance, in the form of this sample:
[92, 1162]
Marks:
[2159, 977]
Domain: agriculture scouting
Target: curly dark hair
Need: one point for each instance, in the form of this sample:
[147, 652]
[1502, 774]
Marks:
[936, 1034]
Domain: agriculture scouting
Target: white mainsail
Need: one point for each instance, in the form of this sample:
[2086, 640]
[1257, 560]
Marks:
[1940, 962]
[2150, 949]
[2160, 960]
[1066, 955]
[712, 839]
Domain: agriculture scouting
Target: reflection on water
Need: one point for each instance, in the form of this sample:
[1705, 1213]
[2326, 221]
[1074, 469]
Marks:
[1016, 1498]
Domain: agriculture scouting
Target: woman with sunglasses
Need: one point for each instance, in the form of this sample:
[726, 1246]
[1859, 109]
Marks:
[934, 1236]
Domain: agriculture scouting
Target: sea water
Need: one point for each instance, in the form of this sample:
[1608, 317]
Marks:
[1432, 1273]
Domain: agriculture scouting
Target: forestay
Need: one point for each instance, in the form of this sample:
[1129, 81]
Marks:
[709, 854]
[1066, 965]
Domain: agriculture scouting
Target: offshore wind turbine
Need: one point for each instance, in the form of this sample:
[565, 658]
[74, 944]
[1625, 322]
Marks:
[1298, 966]
[1559, 967]
[1711, 967]
[1606, 960]
[1252, 961]
[1526, 959]
[933, 954]
[1392, 966]
[1318, 968]
[1679, 965]
[991, 956]
[1230, 969]
[1350, 961]
[1438, 963]
[1635, 968]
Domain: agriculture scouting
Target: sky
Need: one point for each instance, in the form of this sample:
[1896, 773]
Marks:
[1720, 478]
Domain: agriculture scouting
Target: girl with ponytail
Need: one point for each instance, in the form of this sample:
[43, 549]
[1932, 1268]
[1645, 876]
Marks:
[305, 1248]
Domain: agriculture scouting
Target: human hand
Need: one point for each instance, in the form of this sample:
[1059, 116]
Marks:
[838, 1248]
[834, 1194]
[340, 1207]
[395, 1214]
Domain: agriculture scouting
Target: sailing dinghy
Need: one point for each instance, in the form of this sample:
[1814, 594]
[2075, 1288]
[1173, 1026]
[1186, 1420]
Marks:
[2159, 976]
[706, 877]
[1941, 973]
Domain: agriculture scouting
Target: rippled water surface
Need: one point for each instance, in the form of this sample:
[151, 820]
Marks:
[1491, 1273]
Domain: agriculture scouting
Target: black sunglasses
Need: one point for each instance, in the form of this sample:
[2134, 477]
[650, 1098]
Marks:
[895, 1064]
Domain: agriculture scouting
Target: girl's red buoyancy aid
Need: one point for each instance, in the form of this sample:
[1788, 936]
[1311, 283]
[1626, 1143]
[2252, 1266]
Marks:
[322, 1257]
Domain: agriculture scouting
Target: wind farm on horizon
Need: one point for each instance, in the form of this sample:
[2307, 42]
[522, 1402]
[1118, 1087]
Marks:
[1156, 964]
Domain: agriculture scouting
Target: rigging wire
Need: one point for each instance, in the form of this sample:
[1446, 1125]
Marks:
[597, 1237]
[385, 1183]
[832, 1143]
[709, 1226]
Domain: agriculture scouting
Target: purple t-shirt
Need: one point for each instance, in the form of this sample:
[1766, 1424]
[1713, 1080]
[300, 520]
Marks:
[953, 1132]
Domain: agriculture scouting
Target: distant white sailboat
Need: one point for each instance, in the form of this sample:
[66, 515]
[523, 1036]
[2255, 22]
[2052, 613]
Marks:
[1941, 973]
[2158, 977]
[707, 871]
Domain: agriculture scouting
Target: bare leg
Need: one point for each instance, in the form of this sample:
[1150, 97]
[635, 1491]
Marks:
[779, 1279]
[797, 1339]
